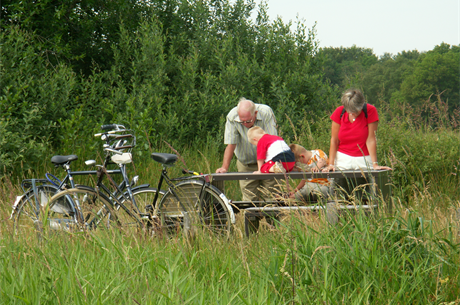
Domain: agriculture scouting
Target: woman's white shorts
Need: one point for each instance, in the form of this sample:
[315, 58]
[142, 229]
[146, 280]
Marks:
[346, 162]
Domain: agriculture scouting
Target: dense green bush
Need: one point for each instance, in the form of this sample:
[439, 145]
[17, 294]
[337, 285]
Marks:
[421, 144]
[34, 97]
[172, 77]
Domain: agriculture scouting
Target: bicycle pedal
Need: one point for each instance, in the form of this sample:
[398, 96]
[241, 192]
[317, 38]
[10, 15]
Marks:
[148, 209]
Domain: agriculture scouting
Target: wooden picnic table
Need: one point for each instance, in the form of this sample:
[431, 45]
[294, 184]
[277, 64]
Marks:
[299, 175]
[378, 178]
[254, 211]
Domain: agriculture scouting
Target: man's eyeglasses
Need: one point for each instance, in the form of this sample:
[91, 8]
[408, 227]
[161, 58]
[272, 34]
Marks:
[247, 122]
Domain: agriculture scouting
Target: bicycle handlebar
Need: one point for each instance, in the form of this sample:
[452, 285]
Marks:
[105, 133]
[113, 150]
[112, 126]
[117, 136]
[114, 135]
[123, 147]
[185, 171]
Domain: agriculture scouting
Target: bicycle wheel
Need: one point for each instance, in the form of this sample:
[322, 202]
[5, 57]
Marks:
[190, 202]
[96, 210]
[144, 197]
[27, 210]
[215, 211]
[168, 215]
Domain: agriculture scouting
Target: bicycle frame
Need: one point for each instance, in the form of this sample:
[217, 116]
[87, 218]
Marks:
[102, 172]
[171, 185]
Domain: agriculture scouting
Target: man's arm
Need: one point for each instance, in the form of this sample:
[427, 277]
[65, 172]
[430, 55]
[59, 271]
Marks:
[228, 155]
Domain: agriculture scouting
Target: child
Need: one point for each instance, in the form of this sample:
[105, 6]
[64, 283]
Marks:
[273, 154]
[309, 160]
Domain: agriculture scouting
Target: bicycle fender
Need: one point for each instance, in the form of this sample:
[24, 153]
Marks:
[226, 201]
[140, 187]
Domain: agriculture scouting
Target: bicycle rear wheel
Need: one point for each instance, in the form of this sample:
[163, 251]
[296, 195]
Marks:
[191, 203]
[27, 211]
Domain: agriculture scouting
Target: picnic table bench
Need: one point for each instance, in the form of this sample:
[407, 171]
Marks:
[378, 181]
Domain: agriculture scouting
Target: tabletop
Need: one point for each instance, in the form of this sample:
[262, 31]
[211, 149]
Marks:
[294, 175]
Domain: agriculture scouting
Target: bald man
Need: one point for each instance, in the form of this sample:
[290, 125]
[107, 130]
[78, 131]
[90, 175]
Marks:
[244, 116]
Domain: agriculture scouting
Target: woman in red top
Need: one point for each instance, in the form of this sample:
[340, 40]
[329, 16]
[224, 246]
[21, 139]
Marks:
[353, 141]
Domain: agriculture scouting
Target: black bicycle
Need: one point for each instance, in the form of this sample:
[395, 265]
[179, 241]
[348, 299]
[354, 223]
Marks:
[189, 201]
[36, 207]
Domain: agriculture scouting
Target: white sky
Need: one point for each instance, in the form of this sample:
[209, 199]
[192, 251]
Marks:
[388, 26]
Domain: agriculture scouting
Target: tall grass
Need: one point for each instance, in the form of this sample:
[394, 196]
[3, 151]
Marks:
[404, 258]
[407, 252]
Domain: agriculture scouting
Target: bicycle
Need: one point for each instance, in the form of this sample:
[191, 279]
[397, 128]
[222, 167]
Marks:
[29, 209]
[188, 202]
[190, 199]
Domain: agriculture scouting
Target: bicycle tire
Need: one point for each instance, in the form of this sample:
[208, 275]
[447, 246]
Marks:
[96, 209]
[27, 211]
[143, 197]
[183, 201]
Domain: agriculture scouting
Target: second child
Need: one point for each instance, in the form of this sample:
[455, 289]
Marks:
[273, 154]
[310, 160]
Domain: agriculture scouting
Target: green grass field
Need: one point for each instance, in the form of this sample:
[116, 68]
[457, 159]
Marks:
[407, 252]
[407, 256]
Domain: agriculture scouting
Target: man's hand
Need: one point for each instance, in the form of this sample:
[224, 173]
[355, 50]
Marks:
[228, 154]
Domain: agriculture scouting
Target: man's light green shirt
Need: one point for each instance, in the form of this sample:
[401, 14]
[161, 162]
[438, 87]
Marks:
[236, 133]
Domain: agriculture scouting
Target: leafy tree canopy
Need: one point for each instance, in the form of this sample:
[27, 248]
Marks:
[343, 65]
[435, 71]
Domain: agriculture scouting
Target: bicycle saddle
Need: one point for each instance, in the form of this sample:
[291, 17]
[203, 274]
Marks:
[59, 160]
[163, 158]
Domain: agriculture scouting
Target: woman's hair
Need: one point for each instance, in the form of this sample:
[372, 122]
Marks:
[254, 132]
[353, 100]
[297, 150]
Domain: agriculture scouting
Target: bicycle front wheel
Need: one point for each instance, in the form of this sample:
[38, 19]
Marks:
[96, 210]
[27, 211]
[192, 203]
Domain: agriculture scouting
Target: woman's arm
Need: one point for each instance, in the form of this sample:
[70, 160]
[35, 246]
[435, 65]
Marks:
[334, 146]
[371, 144]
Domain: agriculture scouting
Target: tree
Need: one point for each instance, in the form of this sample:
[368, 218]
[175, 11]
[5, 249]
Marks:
[345, 67]
[78, 32]
[435, 71]
[384, 78]
[171, 74]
